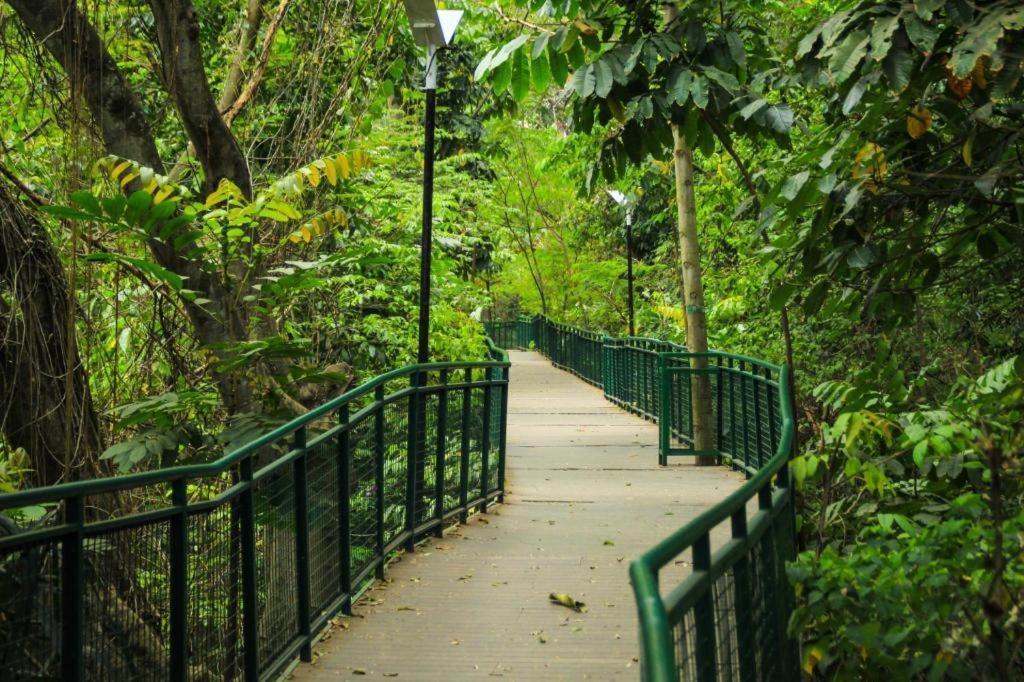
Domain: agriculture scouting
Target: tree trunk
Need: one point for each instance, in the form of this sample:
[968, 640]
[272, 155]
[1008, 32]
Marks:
[693, 298]
[693, 287]
[45, 404]
[95, 77]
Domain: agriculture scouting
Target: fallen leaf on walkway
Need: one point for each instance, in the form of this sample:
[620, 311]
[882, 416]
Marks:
[465, 577]
[620, 559]
[456, 642]
[609, 542]
[565, 600]
[390, 674]
[358, 671]
[483, 520]
[406, 608]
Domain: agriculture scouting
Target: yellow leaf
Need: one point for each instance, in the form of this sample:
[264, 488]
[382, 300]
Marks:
[162, 194]
[585, 28]
[966, 151]
[306, 234]
[294, 238]
[341, 161]
[118, 169]
[128, 178]
[331, 172]
[565, 600]
[812, 656]
[918, 122]
[360, 159]
[298, 180]
[318, 227]
[870, 163]
[314, 176]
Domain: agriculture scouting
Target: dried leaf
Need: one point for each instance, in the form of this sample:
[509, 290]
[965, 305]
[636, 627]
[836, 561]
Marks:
[567, 601]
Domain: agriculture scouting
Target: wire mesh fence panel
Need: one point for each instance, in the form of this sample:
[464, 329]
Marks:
[226, 570]
[362, 493]
[396, 460]
[453, 449]
[325, 524]
[214, 605]
[276, 579]
[127, 603]
[30, 588]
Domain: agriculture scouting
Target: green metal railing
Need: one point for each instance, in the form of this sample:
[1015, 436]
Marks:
[230, 569]
[726, 619]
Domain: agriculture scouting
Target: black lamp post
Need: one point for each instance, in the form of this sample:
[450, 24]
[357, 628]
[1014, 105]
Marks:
[433, 29]
[624, 201]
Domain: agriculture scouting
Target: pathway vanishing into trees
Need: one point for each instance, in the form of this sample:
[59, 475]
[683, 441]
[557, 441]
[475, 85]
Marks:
[585, 495]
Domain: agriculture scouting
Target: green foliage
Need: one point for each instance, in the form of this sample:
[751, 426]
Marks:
[907, 602]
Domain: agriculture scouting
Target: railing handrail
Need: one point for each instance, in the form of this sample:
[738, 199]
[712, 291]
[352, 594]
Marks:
[94, 486]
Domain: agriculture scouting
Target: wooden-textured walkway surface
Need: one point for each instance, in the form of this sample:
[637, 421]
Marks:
[585, 495]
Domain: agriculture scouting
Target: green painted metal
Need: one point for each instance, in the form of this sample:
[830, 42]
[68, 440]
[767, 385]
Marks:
[235, 566]
[727, 619]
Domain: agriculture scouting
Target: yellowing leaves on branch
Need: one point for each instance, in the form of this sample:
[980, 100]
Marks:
[919, 121]
[870, 165]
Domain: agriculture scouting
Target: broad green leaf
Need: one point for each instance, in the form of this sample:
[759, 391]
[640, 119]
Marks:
[559, 67]
[881, 36]
[679, 84]
[753, 108]
[779, 118]
[699, 91]
[848, 55]
[602, 78]
[723, 78]
[520, 76]
[898, 66]
[540, 72]
[502, 77]
[793, 184]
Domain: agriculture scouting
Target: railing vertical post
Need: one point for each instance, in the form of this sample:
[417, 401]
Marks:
[746, 634]
[773, 430]
[301, 470]
[502, 443]
[250, 617]
[345, 506]
[719, 406]
[442, 446]
[759, 442]
[72, 593]
[746, 415]
[665, 418]
[485, 442]
[378, 477]
[704, 615]
[467, 404]
[411, 463]
[732, 414]
[178, 551]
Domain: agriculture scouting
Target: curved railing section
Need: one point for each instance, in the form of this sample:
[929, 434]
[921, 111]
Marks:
[231, 569]
[726, 619]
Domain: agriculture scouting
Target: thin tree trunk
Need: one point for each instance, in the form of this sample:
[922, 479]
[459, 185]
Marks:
[693, 298]
[693, 286]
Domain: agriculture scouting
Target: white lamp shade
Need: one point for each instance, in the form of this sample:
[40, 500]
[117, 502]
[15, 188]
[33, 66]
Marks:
[618, 197]
[431, 27]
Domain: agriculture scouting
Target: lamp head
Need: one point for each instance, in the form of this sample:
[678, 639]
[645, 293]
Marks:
[618, 197]
[431, 27]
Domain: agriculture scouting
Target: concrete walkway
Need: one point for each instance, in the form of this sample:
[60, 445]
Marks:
[585, 495]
